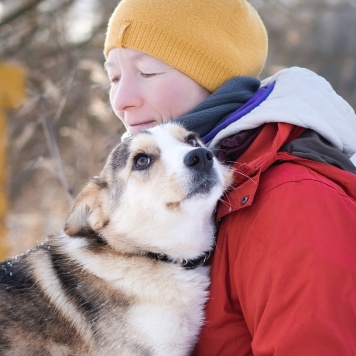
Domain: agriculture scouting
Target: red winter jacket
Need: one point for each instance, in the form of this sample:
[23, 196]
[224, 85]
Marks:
[284, 268]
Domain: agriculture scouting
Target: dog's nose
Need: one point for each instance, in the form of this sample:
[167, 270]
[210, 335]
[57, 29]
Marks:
[200, 159]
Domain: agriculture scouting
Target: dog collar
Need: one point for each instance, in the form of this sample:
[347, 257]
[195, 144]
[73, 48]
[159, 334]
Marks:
[186, 264]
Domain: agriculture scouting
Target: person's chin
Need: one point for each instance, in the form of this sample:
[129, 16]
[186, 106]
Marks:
[133, 129]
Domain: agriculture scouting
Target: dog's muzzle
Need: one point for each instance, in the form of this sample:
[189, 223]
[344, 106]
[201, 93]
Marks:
[200, 163]
[200, 159]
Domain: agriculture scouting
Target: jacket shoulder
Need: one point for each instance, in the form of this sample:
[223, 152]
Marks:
[317, 177]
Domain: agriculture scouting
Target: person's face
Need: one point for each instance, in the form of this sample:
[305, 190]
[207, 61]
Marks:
[146, 91]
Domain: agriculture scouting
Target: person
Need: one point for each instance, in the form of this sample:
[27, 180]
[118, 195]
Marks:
[283, 274]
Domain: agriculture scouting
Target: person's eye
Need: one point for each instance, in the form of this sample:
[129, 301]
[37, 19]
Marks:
[115, 80]
[148, 75]
[142, 161]
[192, 140]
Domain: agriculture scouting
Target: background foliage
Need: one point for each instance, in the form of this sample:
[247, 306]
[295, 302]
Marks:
[61, 134]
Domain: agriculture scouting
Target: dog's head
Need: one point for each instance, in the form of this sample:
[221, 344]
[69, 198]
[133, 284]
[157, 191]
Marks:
[157, 192]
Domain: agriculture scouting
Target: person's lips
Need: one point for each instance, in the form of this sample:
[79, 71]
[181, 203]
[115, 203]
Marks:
[139, 126]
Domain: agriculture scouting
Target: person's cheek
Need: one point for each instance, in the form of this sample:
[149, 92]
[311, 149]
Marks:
[112, 94]
[170, 102]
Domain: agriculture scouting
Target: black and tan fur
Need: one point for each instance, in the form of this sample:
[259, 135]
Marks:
[114, 282]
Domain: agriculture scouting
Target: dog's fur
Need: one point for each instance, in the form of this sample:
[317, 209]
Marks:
[114, 282]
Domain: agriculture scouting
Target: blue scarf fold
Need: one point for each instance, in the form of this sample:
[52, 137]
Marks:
[236, 98]
[219, 105]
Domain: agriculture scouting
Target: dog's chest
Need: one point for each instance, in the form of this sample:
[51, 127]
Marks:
[164, 319]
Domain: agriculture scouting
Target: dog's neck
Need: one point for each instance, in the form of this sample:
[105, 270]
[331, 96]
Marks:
[186, 264]
[96, 240]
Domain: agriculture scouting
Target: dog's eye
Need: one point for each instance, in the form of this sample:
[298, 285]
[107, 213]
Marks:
[142, 161]
[191, 140]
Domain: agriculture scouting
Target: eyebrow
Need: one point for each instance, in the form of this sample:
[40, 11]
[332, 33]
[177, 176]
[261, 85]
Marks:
[137, 57]
[107, 65]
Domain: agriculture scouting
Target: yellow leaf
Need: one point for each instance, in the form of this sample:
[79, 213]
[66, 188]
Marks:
[11, 94]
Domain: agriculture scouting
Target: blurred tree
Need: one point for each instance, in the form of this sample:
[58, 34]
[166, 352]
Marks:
[64, 130]
[318, 34]
[62, 133]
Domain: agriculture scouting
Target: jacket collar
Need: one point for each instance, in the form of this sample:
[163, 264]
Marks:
[263, 153]
[260, 155]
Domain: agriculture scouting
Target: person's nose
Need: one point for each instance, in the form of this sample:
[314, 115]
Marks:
[126, 95]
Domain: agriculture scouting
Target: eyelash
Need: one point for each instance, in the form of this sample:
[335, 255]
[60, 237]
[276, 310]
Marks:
[116, 79]
[193, 141]
[148, 75]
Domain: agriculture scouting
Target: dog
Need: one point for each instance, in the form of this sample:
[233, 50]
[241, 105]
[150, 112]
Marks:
[127, 276]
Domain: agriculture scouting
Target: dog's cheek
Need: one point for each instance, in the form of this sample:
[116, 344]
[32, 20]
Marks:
[116, 193]
[166, 185]
[227, 175]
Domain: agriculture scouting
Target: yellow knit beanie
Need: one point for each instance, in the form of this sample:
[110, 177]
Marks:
[211, 41]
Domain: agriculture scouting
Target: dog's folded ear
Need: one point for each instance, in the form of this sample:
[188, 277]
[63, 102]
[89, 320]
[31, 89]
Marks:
[88, 211]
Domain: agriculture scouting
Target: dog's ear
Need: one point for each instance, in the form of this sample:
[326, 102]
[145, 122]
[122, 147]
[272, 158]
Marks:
[88, 211]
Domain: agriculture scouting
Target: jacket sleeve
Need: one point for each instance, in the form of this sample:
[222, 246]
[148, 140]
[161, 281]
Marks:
[295, 268]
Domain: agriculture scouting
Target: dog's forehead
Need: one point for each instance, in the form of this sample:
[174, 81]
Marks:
[144, 142]
[168, 135]
[156, 141]
[159, 138]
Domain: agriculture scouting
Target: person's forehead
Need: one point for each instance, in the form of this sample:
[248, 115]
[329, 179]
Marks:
[130, 53]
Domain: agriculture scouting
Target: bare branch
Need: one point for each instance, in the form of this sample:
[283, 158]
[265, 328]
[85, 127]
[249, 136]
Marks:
[54, 150]
[18, 13]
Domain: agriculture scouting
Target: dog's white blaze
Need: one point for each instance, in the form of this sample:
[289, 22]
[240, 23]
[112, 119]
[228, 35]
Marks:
[172, 152]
